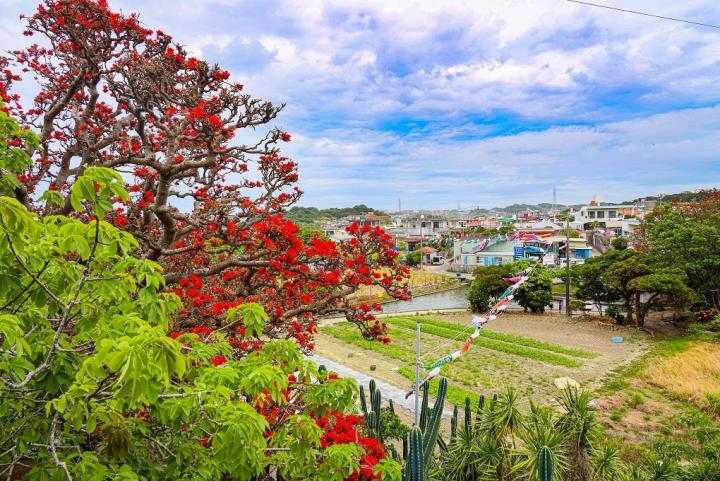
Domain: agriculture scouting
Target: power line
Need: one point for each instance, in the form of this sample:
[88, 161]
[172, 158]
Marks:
[645, 14]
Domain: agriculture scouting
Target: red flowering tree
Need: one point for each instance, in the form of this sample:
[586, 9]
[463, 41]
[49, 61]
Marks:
[209, 209]
[339, 429]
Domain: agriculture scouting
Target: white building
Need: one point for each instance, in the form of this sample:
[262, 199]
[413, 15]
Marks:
[427, 227]
[590, 216]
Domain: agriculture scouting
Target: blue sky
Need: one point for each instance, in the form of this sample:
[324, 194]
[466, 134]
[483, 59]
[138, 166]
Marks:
[467, 102]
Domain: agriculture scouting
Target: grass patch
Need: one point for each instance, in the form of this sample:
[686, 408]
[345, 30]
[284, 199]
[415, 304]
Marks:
[498, 336]
[672, 388]
[455, 395]
[688, 372]
[494, 344]
[340, 331]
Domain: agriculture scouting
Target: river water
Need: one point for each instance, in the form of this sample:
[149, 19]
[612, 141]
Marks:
[450, 299]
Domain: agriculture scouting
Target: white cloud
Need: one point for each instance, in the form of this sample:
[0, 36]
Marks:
[389, 98]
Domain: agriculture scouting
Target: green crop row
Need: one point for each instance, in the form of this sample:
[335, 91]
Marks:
[352, 336]
[499, 336]
[496, 345]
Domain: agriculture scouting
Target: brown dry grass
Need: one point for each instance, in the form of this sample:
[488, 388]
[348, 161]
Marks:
[421, 282]
[690, 375]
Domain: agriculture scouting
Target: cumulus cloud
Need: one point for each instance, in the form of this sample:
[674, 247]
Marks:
[453, 102]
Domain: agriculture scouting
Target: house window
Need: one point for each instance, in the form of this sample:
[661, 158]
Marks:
[498, 261]
[477, 260]
[436, 225]
[612, 214]
[591, 214]
[601, 214]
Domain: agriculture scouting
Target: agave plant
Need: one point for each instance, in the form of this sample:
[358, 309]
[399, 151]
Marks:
[578, 423]
[606, 463]
[459, 460]
[503, 417]
[544, 453]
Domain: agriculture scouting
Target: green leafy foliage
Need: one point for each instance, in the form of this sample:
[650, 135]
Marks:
[93, 387]
[536, 293]
[590, 282]
[685, 237]
[14, 145]
[643, 287]
[413, 258]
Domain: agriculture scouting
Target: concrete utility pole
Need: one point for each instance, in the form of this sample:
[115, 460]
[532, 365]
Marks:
[568, 310]
[417, 375]
[422, 218]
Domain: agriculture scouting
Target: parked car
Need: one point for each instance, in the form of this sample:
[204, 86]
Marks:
[573, 261]
[549, 260]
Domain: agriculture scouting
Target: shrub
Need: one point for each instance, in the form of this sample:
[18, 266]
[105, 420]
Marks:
[615, 312]
[536, 293]
[478, 296]
[619, 243]
[413, 258]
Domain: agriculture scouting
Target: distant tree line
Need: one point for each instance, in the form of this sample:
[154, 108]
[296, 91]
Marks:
[313, 215]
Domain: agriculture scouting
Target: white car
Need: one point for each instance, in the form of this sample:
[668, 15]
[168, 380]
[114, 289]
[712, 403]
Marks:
[573, 261]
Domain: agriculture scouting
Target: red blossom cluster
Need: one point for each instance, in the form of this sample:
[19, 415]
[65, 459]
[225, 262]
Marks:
[113, 93]
[339, 428]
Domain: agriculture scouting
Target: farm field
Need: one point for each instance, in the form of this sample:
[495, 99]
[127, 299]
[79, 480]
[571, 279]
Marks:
[652, 396]
[524, 351]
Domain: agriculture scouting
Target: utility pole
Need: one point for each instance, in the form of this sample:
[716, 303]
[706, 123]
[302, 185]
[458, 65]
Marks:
[422, 218]
[568, 311]
[417, 375]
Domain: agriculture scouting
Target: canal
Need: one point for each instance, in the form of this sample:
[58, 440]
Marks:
[450, 299]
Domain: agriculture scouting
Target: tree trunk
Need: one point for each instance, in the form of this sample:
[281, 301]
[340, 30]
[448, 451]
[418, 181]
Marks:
[629, 310]
[640, 312]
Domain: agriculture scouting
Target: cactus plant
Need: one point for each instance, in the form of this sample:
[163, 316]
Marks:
[415, 464]
[363, 402]
[453, 425]
[545, 464]
[375, 400]
[432, 428]
[424, 407]
[372, 421]
[418, 447]
[468, 417]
